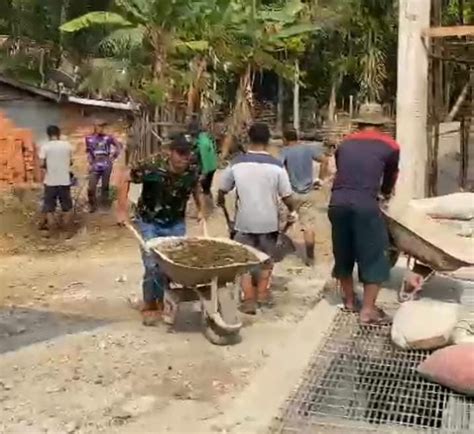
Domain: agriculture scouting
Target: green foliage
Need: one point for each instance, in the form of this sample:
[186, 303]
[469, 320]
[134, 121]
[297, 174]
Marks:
[95, 18]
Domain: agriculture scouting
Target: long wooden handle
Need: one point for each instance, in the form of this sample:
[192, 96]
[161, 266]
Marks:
[136, 235]
[205, 232]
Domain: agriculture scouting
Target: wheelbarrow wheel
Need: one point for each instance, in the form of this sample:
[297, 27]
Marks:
[215, 335]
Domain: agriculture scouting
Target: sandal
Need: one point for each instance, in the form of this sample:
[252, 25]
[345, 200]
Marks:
[354, 309]
[380, 320]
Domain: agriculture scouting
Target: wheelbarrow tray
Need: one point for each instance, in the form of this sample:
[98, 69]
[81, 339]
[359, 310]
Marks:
[193, 276]
[428, 241]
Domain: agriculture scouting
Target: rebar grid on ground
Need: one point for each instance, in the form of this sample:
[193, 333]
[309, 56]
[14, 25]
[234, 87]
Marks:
[359, 382]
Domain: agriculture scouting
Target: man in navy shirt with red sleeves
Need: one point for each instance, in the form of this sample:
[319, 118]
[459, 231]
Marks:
[367, 166]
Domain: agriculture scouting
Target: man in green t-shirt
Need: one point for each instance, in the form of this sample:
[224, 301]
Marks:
[206, 153]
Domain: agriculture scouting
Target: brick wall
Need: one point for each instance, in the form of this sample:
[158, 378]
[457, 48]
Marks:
[18, 159]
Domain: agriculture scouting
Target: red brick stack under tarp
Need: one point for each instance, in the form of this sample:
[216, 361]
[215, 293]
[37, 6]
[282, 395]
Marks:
[18, 158]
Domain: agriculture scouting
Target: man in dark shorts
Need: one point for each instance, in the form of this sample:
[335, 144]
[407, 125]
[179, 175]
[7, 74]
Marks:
[56, 159]
[167, 184]
[367, 165]
[260, 181]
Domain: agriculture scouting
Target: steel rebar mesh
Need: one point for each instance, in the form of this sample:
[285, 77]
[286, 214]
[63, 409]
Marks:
[359, 382]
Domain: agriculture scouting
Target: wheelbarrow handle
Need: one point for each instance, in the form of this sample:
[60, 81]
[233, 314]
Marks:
[137, 235]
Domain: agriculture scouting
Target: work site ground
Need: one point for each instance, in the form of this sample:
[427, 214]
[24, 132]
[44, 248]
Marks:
[74, 356]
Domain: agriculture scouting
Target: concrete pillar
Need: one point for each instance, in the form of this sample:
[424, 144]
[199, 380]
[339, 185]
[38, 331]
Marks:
[412, 99]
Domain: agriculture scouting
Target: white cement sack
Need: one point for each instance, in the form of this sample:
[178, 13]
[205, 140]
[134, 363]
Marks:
[457, 206]
[424, 324]
[463, 333]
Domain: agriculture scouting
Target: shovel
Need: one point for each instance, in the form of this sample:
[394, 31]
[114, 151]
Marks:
[229, 222]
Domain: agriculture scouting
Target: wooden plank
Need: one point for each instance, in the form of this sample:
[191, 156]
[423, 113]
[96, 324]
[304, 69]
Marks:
[444, 32]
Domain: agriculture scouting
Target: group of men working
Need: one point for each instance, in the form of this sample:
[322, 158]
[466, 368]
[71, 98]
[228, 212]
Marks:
[367, 165]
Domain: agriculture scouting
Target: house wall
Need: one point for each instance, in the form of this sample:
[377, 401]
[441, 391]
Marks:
[34, 114]
[31, 113]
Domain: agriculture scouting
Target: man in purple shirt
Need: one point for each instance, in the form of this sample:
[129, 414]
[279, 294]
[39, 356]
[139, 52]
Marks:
[102, 150]
[367, 165]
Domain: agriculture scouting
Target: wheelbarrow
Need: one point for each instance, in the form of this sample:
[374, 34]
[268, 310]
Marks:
[216, 288]
[426, 253]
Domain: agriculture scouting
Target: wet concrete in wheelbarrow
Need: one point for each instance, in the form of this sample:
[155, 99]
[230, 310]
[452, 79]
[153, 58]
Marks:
[202, 253]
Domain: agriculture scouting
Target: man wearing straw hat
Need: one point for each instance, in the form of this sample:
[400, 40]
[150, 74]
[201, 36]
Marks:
[367, 166]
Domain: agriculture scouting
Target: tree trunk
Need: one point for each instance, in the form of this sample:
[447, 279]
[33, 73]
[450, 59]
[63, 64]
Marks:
[332, 101]
[241, 114]
[412, 95]
[296, 97]
[194, 94]
[280, 104]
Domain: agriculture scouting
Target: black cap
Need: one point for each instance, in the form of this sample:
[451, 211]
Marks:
[181, 144]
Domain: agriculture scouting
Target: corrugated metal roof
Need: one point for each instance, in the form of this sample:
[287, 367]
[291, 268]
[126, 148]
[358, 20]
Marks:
[71, 99]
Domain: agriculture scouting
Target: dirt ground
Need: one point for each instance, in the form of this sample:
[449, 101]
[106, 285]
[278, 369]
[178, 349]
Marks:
[74, 357]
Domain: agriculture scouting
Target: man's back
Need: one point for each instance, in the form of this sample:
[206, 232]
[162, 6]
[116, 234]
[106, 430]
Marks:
[57, 155]
[366, 161]
[298, 160]
[260, 180]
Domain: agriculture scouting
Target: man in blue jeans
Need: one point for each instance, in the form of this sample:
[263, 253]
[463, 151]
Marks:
[167, 185]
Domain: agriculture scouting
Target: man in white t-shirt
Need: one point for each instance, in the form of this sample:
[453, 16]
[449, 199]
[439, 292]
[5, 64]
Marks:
[56, 159]
[260, 181]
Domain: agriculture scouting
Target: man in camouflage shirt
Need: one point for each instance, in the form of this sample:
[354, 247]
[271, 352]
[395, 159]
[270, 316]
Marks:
[167, 185]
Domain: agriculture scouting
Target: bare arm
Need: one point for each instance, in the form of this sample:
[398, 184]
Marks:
[199, 200]
[116, 147]
[226, 185]
[290, 202]
[122, 196]
[390, 174]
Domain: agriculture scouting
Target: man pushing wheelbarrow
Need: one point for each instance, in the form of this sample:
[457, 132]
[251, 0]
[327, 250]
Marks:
[180, 268]
[167, 182]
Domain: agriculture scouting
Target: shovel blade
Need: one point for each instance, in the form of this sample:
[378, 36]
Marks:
[284, 247]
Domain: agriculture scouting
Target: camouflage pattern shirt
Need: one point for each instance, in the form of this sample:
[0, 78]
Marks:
[164, 194]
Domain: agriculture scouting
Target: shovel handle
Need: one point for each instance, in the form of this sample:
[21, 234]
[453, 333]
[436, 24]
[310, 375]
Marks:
[205, 232]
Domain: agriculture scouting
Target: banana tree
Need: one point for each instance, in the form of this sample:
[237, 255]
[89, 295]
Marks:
[150, 26]
[257, 35]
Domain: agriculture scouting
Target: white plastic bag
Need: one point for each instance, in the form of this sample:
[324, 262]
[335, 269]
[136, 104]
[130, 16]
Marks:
[457, 206]
[424, 324]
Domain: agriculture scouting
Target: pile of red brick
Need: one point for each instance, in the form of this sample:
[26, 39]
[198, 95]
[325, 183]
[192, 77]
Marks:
[18, 158]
